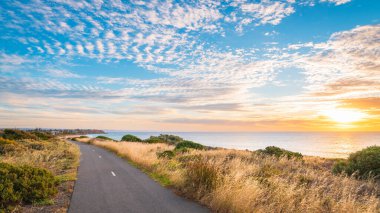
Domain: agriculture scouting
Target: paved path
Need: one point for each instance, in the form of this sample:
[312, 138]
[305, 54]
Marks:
[107, 183]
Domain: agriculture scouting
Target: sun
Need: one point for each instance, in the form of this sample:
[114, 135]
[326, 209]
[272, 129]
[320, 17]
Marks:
[345, 115]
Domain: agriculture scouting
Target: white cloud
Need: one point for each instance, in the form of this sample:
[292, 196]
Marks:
[268, 12]
[89, 47]
[61, 73]
[110, 35]
[336, 2]
[339, 66]
[271, 33]
[111, 48]
[100, 46]
[13, 59]
[80, 49]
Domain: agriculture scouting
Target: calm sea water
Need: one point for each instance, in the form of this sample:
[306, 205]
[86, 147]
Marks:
[316, 144]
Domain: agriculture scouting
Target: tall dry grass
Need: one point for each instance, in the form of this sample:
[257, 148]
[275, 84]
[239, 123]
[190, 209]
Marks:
[58, 156]
[242, 181]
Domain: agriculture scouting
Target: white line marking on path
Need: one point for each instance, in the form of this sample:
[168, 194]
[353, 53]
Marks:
[100, 156]
[113, 173]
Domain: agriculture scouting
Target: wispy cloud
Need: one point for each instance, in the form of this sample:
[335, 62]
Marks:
[62, 73]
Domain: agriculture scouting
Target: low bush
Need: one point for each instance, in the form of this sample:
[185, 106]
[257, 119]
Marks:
[339, 167]
[24, 184]
[42, 135]
[170, 139]
[130, 138]
[83, 136]
[104, 138]
[188, 144]
[278, 152]
[182, 150]
[168, 154]
[364, 163]
[154, 139]
[15, 134]
[9, 146]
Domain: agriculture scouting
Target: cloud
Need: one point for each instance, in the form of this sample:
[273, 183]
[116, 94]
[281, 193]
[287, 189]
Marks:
[336, 2]
[268, 12]
[62, 73]
[150, 33]
[362, 103]
[10, 62]
[190, 17]
[13, 59]
[347, 64]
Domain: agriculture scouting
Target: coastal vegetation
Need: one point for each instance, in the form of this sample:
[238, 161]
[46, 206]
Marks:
[164, 138]
[188, 145]
[130, 138]
[269, 180]
[361, 164]
[278, 152]
[104, 137]
[37, 171]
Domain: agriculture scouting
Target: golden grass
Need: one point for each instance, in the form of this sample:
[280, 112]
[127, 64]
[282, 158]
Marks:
[242, 181]
[58, 156]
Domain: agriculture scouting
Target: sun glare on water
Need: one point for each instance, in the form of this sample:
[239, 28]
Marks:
[345, 115]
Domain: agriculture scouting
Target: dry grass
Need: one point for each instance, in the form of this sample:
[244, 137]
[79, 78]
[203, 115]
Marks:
[56, 155]
[242, 181]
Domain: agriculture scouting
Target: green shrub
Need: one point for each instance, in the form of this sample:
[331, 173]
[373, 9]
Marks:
[104, 138]
[364, 163]
[42, 135]
[15, 134]
[130, 138]
[170, 139]
[154, 139]
[24, 184]
[182, 150]
[189, 144]
[166, 154]
[339, 167]
[83, 136]
[9, 146]
[278, 152]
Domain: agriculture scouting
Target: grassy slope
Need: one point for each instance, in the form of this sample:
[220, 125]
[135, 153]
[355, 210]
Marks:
[59, 157]
[243, 181]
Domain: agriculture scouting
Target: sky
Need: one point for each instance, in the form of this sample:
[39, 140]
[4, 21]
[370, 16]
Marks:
[235, 65]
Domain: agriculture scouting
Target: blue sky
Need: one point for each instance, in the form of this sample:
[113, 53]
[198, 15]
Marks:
[189, 65]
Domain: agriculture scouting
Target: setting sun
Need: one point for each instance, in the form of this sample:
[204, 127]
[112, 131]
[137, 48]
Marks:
[345, 115]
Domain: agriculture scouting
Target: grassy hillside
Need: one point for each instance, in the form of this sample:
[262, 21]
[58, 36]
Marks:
[270, 180]
[37, 171]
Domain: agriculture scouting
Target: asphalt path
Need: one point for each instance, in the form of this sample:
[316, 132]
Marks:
[107, 183]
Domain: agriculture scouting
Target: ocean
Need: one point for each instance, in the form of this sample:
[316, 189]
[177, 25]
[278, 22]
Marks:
[323, 144]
